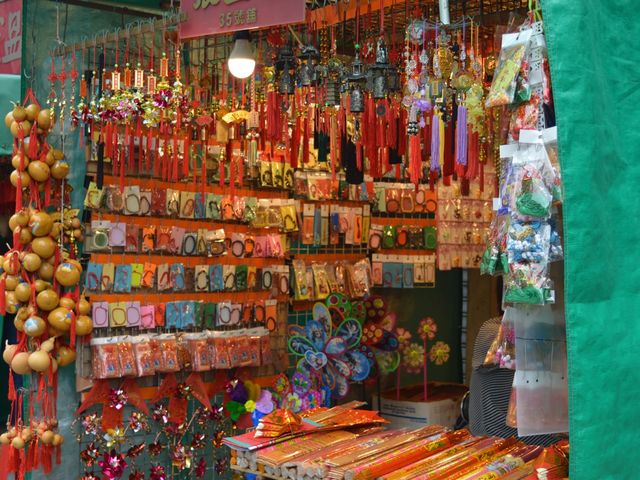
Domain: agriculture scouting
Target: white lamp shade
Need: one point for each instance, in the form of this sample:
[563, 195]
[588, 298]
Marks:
[241, 62]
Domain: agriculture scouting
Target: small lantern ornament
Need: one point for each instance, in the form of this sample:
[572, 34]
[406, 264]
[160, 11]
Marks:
[307, 72]
[356, 79]
[380, 69]
[284, 64]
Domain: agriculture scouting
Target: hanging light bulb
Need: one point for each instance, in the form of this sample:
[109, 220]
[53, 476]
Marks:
[241, 61]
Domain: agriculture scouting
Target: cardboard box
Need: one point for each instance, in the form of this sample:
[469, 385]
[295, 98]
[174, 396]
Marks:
[410, 411]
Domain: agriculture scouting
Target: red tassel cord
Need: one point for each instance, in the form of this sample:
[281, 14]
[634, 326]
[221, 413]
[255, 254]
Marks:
[174, 169]
[402, 139]
[295, 142]
[449, 148]
[203, 163]
[472, 169]
[415, 163]
[186, 156]
[305, 141]
[147, 154]
[227, 157]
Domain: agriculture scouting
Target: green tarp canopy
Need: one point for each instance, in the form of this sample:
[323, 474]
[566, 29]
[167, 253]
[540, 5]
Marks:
[595, 72]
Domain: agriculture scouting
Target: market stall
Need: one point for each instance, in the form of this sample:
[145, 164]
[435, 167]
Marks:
[232, 217]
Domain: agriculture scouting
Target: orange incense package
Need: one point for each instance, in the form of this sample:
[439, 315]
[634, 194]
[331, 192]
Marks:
[410, 454]
[479, 457]
[428, 464]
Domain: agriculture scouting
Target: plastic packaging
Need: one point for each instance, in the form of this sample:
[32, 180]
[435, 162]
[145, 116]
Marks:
[541, 377]
[512, 54]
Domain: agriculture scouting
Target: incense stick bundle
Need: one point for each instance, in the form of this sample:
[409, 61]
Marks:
[407, 455]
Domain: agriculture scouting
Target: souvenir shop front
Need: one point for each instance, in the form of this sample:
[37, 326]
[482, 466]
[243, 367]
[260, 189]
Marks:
[323, 240]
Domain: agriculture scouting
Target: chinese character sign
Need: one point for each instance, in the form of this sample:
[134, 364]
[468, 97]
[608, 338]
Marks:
[207, 17]
[10, 36]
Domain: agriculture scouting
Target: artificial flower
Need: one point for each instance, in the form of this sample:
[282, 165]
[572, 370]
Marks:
[218, 435]
[439, 353]
[250, 406]
[138, 421]
[221, 465]
[413, 357]
[112, 465]
[265, 402]
[301, 383]
[404, 338]
[136, 450]
[281, 383]
[160, 414]
[292, 402]
[90, 424]
[427, 329]
[201, 468]
[198, 440]
[136, 475]
[157, 473]
[89, 476]
[89, 454]
[114, 436]
[180, 456]
[155, 448]
[235, 410]
[184, 390]
[239, 393]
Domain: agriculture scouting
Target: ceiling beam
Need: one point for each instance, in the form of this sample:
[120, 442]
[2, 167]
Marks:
[117, 7]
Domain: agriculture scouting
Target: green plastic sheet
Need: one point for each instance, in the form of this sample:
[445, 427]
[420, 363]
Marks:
[593, 51]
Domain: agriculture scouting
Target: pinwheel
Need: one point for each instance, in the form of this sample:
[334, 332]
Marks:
[329, 351]
[380, 341]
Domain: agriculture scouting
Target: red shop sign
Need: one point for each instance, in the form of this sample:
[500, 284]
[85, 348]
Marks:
[10, 36]
[208, 17]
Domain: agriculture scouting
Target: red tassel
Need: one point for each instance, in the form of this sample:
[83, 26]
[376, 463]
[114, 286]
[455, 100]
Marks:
[120, 154]
[359, 155]
[273, 126]
[19, 192]
[147, 157]
[240, 165]
[138, 137]
[449, 137]
[47, 194]
[305, 141]
[186, 157]
[126, 139]
[33, 146]
[415, 165]
[203, 166]
[174, 170]
[227, 157]
[295, 143]
[165, 155]
[472, 167]
[402, 139]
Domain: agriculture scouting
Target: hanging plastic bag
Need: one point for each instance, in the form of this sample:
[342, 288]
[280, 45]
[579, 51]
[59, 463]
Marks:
[512, 54]
[541, 379]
